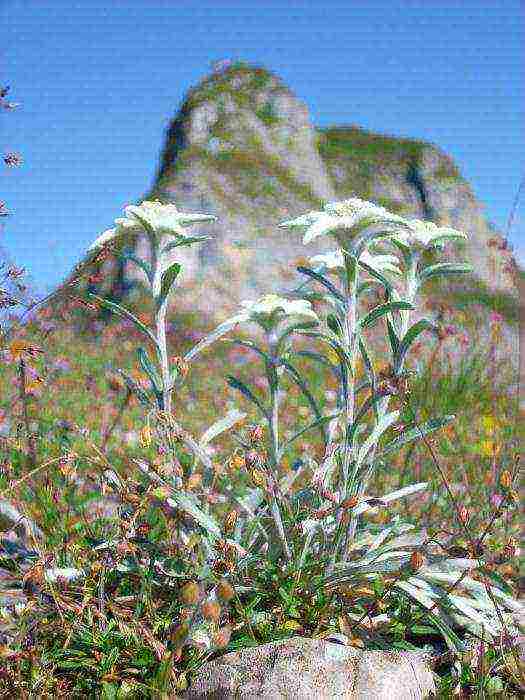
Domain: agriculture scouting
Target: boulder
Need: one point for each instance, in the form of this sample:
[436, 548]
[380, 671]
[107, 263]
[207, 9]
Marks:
[304, 669]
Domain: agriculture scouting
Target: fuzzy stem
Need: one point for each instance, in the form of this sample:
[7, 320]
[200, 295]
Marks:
[160, 324]
[349, 340]
[273, 379]
[349, 327]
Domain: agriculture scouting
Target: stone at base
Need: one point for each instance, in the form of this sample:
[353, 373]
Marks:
[312, 669]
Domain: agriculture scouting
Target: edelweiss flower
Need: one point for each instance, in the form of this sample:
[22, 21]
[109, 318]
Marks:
[271, 306]
[337, 217]
[161, 218]
[428, 234]
[335, 260]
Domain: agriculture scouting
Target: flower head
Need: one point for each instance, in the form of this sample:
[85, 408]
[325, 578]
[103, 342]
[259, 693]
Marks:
[273, 308]
[154, 217]
[335, 261]
[339, 218]
[428, 234]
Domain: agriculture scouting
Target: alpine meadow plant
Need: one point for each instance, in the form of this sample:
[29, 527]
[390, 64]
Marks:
[323, 520]
[201, 556]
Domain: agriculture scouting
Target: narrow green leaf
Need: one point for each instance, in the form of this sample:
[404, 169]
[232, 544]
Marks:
[415, 433]
[168, 278]
[445, 269]
[334, 343]
[150, 369]
[121, 311]
[376, 275]
[317, 357]
[188, 505]
[324, 282]
[184, 241]
[384, 309]
[294, 328]
[381, 427]
[293, 372]
[135, 388]
[140, 263]
[247, 393]
[392, 336]
[208, 340]
[334, 324]
[370, 402]
[220, 426]
[404, 346]
[311, 426]
[249, 345]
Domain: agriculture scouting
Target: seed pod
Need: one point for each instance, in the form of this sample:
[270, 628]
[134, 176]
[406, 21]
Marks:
[463, 515]
[145, 436]
[229, 521]
[327, 495]
[505, 479]
[416, 561]
[179, 634]
[236, 462]
[256, 434]
[321, 513]
[224, 591]
[259, 478]
[190, 593]
[252, 459]
[511, 549]
[181, 366]
[194, 481]
[223, 567]
[211, 610]
[221, 638]
[132, 498]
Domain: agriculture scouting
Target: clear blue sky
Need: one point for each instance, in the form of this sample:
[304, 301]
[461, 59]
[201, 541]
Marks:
[99, 81]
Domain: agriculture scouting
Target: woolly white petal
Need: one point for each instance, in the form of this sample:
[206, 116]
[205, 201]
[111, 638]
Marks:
[331, 261]
[104, 238]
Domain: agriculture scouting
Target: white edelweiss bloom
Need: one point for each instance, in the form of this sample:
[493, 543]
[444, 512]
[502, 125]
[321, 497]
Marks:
[428, 234]
[341, 216]
[162, 218]
[270, 305]
[335, 260]
[381, 263]
[330, 261]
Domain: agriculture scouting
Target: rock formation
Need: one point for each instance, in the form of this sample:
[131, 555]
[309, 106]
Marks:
[242, 146]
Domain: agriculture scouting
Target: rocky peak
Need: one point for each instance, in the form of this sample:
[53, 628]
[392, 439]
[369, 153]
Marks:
[242, 147]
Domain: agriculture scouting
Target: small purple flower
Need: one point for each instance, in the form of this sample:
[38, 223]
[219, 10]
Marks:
[62, 364]
[495, 317]
[496, 500]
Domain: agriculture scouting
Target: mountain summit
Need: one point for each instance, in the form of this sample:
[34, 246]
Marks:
[242, 147]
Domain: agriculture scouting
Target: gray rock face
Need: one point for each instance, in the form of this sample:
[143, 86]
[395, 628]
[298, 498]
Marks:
[312, 669]
[242, 147]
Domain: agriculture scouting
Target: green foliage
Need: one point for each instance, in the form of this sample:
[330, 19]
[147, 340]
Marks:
[151, 556]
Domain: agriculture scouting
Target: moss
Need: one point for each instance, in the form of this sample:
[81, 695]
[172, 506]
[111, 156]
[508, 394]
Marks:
[249, 169]
[352, 142]
[267, 114]
[220, 84]
[395, 206]
[447, 171]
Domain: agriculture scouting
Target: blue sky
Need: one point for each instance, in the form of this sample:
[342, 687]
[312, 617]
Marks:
[99, 81]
